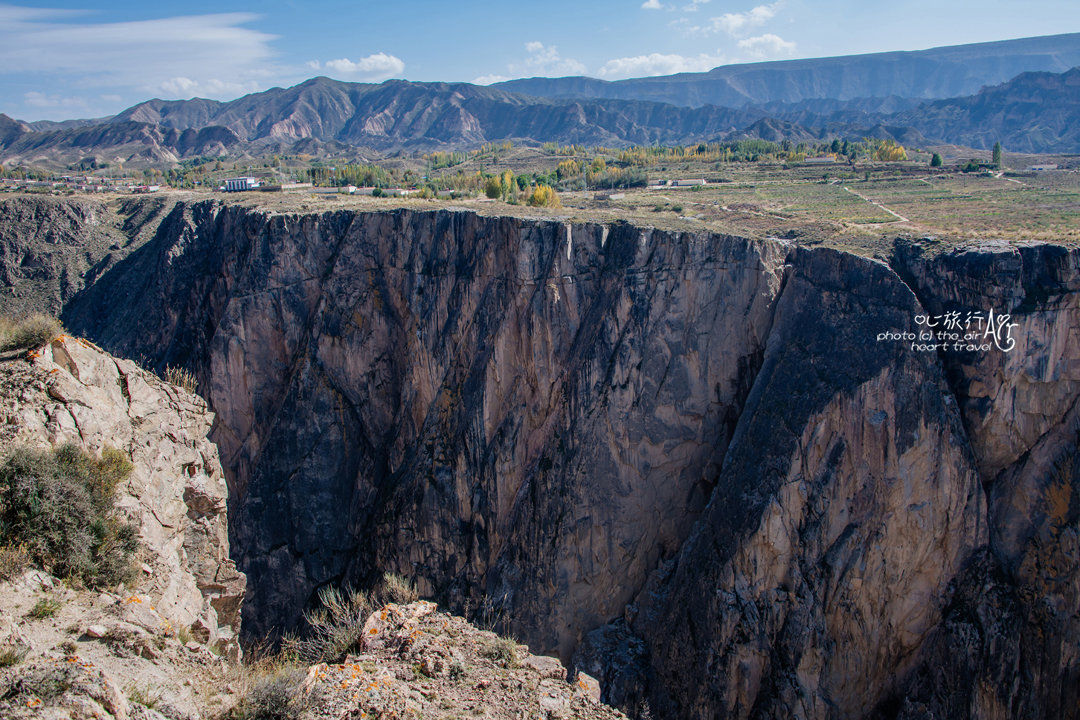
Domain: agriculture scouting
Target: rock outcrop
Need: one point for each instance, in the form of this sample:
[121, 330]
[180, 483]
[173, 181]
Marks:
[70, 391]
[414, 661]
[684, 462]
[102, 655]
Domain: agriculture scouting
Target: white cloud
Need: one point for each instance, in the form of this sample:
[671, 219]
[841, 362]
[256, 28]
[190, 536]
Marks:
[185, 87]
[767, 46]
[542, 61]
[378, 66]
[42, 100]
[652, 5]
[732, 23]
[209, 54]
[217, 55]
[489, 79]
[658, 64]
[13, 14]
[546, 60]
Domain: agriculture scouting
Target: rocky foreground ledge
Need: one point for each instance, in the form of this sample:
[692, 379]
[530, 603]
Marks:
[164, 646]
[416, 662]
[71, 391]
[108, 657]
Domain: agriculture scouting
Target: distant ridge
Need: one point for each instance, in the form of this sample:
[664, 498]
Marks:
[941, 72]
[1033, 112]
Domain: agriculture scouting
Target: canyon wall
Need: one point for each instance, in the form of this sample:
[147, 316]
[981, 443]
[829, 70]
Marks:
[684, 462]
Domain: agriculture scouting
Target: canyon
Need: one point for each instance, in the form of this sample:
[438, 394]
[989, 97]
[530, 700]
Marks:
[679, 460]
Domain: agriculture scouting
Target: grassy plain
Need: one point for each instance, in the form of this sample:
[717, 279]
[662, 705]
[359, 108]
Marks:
[860, 208]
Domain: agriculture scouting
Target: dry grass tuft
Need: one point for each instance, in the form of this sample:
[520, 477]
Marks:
[181, 377]
[334, 629]
[28, 332]
[45, 608]
[11, 655]
[397, 589]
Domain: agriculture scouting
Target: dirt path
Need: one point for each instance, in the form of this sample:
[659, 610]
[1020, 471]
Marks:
[1001, 176]
[898, 216]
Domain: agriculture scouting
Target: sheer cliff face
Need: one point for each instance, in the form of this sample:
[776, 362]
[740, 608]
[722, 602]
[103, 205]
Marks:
[1007, 646]
[682, 460]
[847, 501]
[524, 410]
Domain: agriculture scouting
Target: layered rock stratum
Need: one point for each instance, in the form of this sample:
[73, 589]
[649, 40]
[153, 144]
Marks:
[683, 462]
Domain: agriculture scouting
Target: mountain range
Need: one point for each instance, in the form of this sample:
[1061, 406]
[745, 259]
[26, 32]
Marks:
[880, 95]
[937, 73]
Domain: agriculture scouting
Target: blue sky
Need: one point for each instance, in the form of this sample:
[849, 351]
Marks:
[63, 58]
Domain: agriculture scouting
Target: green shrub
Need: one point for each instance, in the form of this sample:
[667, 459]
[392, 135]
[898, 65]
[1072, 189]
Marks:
[59, 505]
[30, 332]
[44, 608]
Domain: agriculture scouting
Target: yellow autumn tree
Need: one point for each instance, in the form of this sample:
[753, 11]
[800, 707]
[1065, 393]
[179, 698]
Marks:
[890, 151]
[506, 184]
[568, 168]
[544, 196]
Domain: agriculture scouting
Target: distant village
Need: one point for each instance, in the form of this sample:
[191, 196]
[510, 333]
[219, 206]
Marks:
[102, 184]
[94, 184]
[79, 183]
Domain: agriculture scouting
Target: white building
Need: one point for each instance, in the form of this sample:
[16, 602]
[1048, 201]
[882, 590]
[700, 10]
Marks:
[240, 184]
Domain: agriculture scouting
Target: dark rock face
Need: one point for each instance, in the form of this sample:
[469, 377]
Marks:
[1015, 617]
[814, 555]
[527, 410]
[682, 460]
